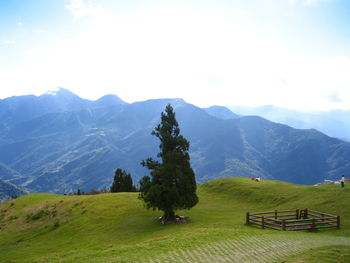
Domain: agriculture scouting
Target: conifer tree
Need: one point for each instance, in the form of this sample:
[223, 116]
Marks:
[122, 182]
[172, 184]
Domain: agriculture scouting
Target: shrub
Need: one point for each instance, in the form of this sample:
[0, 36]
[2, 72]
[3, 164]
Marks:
[39, 214]
[56, 224]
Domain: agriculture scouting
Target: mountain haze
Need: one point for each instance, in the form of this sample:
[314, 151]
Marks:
[221, 112]
[335, 123]
[59, 142]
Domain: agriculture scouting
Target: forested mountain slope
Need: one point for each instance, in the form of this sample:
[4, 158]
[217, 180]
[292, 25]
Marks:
[64, 143]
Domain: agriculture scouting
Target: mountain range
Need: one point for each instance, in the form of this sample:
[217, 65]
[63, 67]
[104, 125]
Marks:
[335, 123]
[59, 142]
[9, 191]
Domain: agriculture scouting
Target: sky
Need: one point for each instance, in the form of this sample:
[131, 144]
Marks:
[288, 53]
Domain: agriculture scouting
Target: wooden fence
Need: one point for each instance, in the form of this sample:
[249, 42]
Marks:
[304, 219]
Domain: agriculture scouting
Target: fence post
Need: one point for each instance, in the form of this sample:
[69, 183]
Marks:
[263, 222]
[297, 214]
[313, 225]
[283, 224]
[338, 222]
[306, 213]
[275, 214]
[248, 219]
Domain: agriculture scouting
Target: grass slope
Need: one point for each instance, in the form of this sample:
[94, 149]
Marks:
[116, 227]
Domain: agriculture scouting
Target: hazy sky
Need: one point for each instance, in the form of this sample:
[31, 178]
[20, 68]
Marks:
[290, 53]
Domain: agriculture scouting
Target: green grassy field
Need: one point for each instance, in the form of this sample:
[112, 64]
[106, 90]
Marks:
[117, 228]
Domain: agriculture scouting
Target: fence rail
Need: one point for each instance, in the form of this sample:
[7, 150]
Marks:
[289, 220]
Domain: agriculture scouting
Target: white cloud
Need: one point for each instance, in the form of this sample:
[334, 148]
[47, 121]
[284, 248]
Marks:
[311, 83]
[8, 41]
[205, 58]
[334, 97]
[80, 8]
[305, 2]
[40, 31]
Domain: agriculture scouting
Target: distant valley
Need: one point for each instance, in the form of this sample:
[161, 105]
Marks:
[59, 143]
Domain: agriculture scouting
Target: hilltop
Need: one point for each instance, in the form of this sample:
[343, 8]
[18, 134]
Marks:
[59, 142]
[117, 228]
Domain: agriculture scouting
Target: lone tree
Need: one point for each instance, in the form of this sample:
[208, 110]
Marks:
[122, 182]
[172, 184]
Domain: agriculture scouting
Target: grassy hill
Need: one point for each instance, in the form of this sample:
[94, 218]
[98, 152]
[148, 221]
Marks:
[116, 227]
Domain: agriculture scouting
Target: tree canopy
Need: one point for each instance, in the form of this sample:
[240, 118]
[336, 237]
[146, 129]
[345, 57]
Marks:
[122, 182]
[172, 184]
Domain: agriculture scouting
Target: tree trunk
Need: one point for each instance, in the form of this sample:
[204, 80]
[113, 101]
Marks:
[169, 215]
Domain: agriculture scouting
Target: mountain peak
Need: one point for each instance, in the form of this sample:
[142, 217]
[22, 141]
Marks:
[109, 99]
[62, 92]
[62, 99]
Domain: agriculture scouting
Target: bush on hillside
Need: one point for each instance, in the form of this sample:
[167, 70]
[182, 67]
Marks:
[122, 182]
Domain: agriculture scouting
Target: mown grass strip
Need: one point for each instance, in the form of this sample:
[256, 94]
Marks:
[253, 249]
